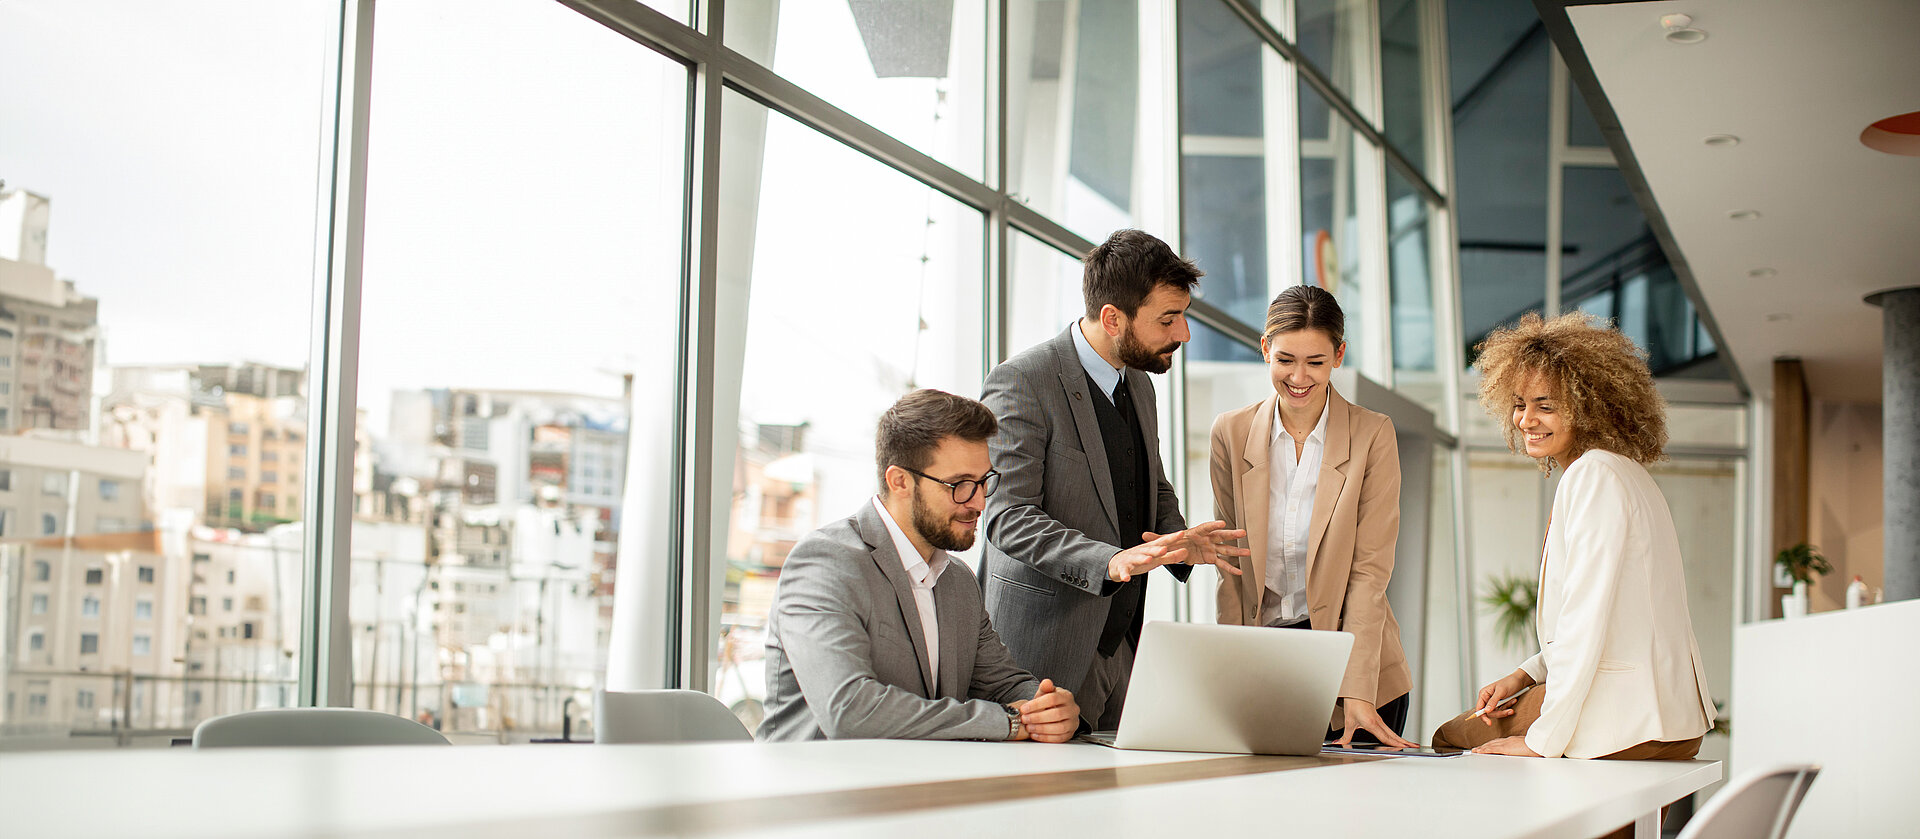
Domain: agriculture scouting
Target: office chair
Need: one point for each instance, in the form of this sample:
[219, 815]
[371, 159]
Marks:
[312, 727]
[663, 716]
[1758, 805]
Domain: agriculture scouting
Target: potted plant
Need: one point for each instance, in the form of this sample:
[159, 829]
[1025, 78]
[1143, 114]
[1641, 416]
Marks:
[1800, 563]
[1513, 599]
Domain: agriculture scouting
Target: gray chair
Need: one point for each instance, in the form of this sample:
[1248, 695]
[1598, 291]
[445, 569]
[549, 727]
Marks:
[1759, 805]
[312, 727]
[663, 716]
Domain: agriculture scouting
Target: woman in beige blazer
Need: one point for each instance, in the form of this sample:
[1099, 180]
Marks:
[1619, 673]
[1315, 481]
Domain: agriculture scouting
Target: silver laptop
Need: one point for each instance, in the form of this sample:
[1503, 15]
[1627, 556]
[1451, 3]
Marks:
[1232, 689]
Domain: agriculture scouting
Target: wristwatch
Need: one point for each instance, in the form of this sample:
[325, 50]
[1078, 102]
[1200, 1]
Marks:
[1014, 727]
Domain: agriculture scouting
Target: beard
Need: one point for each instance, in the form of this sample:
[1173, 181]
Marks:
[937, 529]
[1142, 357]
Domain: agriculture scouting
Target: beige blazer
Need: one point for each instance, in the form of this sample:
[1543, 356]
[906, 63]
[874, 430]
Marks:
[1617, 653]
[1356, 520]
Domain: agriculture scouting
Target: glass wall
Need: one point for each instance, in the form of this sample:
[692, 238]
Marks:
[155, 294]
[575, 305]
[485, 530]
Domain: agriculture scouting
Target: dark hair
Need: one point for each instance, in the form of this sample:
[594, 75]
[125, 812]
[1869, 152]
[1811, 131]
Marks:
[1124, 269]
[915, 425]
[1306, 307]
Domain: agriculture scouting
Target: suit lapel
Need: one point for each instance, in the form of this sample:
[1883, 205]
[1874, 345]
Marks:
[874, 531]
[1073, 379]
[1333, 475]
[954, 634]
[1255, 493]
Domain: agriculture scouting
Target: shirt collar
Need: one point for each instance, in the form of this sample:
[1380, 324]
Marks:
[1104, 375]
[922, 572]
[1319, 434]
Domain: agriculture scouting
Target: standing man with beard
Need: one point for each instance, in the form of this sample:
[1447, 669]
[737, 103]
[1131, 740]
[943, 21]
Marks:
[1086, 510]
[876, 632]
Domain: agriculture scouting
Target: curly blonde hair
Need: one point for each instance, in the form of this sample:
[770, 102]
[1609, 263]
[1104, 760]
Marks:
[1597, 375]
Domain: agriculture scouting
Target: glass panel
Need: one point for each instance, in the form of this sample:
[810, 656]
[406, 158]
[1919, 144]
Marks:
[1706, 495]
[1332, 249]
[914, 70]
[1046, 285]
[1403, 78]
[1603, 237]
[1220, 72]
[1085, 116]
[1410, 269]
[1441, 693]
[165, 473]
[1231, 378]
[804, 454]
[1225, 167]
[1581, 129]
[1332, 35]
[488, 509]
[1498, 65]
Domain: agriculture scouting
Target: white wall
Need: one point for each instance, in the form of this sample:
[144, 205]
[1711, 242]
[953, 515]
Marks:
[1834, 689]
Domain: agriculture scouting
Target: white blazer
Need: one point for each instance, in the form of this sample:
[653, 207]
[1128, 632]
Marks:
[1617, 654]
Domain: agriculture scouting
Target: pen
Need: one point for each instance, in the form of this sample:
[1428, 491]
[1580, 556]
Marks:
[1502, 703]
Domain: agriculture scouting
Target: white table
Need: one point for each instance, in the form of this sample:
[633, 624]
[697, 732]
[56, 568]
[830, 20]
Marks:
[853, 789]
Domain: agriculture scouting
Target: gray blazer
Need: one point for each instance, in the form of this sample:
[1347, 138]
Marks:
[847, 659]
[1052, 526]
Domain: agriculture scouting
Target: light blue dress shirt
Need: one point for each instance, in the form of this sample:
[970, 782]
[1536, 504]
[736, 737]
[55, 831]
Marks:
[1105, 375]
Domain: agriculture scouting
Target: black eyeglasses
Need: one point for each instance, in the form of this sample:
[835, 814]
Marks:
[963, 491]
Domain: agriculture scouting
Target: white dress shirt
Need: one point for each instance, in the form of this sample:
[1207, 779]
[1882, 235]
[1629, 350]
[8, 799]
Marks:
[1290, 519]
[923, 575]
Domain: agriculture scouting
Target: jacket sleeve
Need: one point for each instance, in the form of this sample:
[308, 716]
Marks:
[1594, 522]
[1365, 609]
[823, 611]
[996, 677]
[1230, 604]
[1017, 523]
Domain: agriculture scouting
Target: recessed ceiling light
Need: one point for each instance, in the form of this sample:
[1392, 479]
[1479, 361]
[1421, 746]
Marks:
[1779, 317]
[1744, 215]
[1721, 141]
[1680, 29]
[1761, 273]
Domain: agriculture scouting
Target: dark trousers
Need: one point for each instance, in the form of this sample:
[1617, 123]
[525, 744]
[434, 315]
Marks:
[1394, 713]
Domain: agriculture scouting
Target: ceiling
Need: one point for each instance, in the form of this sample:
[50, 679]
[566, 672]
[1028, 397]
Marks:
[1797, 82]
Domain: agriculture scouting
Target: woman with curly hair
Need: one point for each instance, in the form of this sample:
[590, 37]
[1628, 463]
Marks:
[1619, 673]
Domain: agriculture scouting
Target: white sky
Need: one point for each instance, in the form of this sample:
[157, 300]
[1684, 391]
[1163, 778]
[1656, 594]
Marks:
[523, 201]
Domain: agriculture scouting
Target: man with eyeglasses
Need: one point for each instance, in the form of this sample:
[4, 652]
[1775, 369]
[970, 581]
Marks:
[1087, 510]
[876, 632]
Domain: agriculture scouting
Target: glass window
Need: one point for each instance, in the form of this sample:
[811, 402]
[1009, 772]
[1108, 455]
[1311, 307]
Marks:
[1086, 120]
[1334, 250]
[143, 645]
[89, 643]
[83, 700]
[1233, 377]
[6, 480]
[914, 70]
[1046, 283]
[1404, 84]
[42, 570]
[90, 607]
[1442, 693]
[143, 610]
[1582, 130]
[1499, 73]
[1603, 236]
[554, 278]
[95, 576]
[1225, 166]
[36, 641]
[146, 573]
[53, 483]
[1411, 278]
[803, 453]
[1332, 34]
[49, 524]
[39, 604]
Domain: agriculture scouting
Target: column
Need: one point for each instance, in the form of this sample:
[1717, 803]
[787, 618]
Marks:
[1900, 408]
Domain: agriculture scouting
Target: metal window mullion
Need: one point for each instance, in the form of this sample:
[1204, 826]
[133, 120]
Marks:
[1556, 179]
[698, 439]
[998, 264]
[325, 675]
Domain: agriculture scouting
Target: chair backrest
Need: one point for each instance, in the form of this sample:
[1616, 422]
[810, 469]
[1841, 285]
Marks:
[663, 716]
[312, 727]
[1759, 805]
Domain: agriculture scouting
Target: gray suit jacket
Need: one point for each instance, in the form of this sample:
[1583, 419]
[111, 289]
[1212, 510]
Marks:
[847, 659]
[1052, 527]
